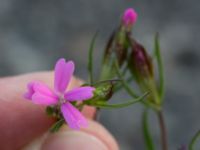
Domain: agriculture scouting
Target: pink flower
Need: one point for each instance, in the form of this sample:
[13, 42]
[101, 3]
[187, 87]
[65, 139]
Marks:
[39, 93]
[129, 17]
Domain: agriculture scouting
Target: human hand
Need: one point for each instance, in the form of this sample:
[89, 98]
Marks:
[23, 122]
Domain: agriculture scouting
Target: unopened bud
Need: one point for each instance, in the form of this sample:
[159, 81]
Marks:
[140, 63]
[104, 91]
[129, 18]
[121, 46]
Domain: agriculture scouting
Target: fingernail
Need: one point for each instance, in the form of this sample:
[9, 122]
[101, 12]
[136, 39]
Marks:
[74, 140]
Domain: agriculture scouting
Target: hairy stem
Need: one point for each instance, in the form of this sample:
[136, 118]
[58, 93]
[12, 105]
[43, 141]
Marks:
[163, 132]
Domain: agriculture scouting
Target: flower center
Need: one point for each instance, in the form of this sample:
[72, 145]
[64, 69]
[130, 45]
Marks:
[61, 100]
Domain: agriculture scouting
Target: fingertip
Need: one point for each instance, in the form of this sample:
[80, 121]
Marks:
[102, 133]
[95, 137]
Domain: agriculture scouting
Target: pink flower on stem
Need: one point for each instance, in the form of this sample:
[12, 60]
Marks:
[129, 17]
[40, 93]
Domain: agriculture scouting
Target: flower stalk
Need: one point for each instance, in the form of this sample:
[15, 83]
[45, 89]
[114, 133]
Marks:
[163, 132]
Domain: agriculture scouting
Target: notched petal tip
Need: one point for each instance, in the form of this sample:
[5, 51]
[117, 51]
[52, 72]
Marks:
[63, 73]
[30, 90]
[40, 93]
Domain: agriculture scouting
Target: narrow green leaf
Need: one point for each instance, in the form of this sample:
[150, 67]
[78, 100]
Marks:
[108, 48]
[194, 140]
[124, 83]
[147, 136]
[103, 104]
[106, 81]
[56, 126]
[124, 71]
[118, 87]
[160, 66]
[90, 58]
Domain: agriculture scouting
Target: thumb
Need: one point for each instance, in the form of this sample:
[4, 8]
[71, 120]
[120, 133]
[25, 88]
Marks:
[95, 137]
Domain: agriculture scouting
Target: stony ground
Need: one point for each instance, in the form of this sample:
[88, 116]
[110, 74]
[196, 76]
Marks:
[34, 33]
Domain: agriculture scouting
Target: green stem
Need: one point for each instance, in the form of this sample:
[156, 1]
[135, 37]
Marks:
[125, 70]
[103, 104]
[193, 141]
[163, 132]
[147, 135]
[125, 85]
[117, 88]
[160, 66]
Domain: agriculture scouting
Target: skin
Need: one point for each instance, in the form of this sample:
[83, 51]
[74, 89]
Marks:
[22, 121]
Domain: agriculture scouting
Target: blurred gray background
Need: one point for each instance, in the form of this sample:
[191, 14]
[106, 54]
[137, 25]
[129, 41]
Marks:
[35, 33]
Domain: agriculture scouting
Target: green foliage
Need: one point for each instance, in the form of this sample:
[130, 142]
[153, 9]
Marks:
[160, 66]
[147, 135]
[90, 58]
[103, 104]
[56, 126]
[194, 140]
[124, 83]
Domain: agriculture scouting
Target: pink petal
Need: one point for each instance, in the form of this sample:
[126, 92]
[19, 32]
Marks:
[43, 89]
[43, 95]
[79, 94]
[39, 93]
[63, 73]
[30, 92]
[39, 98]
[73, 117]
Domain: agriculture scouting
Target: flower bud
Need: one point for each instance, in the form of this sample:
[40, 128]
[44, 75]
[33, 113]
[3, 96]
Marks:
[139, 62]
[129, 18]
[118, 45]
[104, 91]
[116, 48]
[121, 47]
[141, 67]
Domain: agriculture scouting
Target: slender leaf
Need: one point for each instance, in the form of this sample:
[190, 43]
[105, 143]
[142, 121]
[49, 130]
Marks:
[160, 66]
[56, 126]
[124, 83]
[118, 87]
[108, 48]
[103, 104]
[194, 140]
[106, 81]
[147, 136]
[90, 58]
